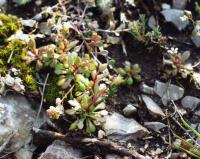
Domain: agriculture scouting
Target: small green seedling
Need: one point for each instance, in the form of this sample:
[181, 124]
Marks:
[130, 73]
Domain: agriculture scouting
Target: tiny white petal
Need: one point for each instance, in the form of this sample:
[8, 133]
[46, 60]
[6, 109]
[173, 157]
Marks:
[74, 103]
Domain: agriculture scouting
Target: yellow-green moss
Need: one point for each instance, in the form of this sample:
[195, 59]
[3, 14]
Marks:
[16, 48]
[9, 24]
[30, 82]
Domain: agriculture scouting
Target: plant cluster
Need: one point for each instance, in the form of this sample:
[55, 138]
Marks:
[176, 64]
[78, 81]
[138, 30]
[130, 73]
[187, 145]
[83, 80]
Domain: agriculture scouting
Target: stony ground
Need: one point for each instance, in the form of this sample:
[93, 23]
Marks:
[158, 117]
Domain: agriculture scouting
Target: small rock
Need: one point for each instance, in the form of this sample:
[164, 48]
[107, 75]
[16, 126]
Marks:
[165, 6]
[179, 4]
[117, 127]
[173, 16]
[146, 89]
[16, 115]
[152, 23]
[24, 153]
[60, 150]
[152, 106]
[196, 36]
[168, 92]
[129, 110]
[190, 103]
[197, 113]
[2, 2]
[156, 126]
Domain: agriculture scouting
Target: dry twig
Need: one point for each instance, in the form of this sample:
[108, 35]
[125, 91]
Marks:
[104, 144]
[42, 98]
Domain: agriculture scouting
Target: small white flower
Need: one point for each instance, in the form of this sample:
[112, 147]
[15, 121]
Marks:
[55, 112]
[173, 51]
[67, 25]
[102, 87]
[15, 71]
[58, 101]
[74, 103]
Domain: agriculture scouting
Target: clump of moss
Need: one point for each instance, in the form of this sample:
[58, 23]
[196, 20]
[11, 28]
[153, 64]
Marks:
[30, 82]
[13, 56]
[9, 24]
[52, 89]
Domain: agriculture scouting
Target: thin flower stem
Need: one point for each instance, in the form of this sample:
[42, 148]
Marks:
[67, 93]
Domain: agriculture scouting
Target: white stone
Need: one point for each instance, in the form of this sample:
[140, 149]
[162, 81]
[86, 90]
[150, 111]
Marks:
[60, 150]
[168, 92]
[156, 126]
[129, 110]
[174, 16]
[117, 127]
[179, 4]
[153, 107]
[16, 115]
[190, 103]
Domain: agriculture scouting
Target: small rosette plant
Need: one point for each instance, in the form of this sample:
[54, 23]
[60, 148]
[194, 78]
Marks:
[176, 64]
[130, 73]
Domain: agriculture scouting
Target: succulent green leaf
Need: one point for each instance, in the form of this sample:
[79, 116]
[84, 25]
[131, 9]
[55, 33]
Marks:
[74, 125]
[90, 127]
